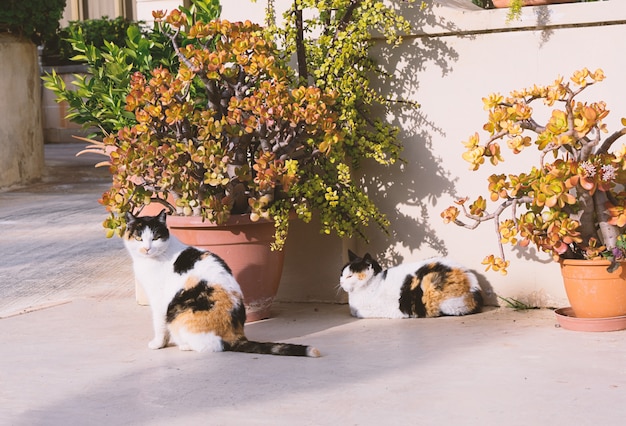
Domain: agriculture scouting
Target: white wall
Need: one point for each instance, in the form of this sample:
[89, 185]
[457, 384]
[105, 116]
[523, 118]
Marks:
[473, 53]
[457, 55]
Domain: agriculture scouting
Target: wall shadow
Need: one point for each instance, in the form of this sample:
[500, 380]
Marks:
[402, 188]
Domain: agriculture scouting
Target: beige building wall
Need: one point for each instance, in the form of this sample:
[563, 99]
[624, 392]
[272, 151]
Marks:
[21, 137]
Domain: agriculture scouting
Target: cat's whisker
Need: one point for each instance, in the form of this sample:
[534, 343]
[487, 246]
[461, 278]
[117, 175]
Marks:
[338, 289]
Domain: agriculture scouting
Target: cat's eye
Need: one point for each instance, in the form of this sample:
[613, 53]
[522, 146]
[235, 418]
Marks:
[138, 237]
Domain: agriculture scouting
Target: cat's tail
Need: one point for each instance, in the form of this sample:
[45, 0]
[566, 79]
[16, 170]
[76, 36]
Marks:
[270, 348]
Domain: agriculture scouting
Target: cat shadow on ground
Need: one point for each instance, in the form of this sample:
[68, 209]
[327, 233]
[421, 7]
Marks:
[290, 321]
[490, 298]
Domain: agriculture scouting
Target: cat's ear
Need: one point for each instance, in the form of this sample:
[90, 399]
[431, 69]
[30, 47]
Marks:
[352, 256]
[375, 265]
[130, 217]
[162, 217]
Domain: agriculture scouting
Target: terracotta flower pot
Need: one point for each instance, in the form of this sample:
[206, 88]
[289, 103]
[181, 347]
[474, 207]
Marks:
[592, 291]
[245, 247]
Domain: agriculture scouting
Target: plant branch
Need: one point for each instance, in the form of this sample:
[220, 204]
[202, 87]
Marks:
[609, 141]
[300, 47]
[495, 216]
[346, 18]
[214, 97]
[608, 232]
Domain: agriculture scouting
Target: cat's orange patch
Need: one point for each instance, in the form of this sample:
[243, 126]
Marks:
[216, 320]
[456, 285]
[191, 282]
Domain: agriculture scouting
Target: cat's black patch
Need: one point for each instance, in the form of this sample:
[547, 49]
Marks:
[267, 348]
[197, 298]
[440, 270]
[410, 301]
[238, 316]
[478, 299]
[136, 225]
[187, 259]
[360, 264]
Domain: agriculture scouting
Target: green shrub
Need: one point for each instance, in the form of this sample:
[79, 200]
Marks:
[58, 50]
[37, 20]
[98, 98]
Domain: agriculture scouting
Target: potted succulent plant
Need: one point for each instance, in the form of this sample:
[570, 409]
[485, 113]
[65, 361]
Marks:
[572, 203]
[219, 129]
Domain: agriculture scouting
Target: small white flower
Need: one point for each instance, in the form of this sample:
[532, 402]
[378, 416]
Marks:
[589, 168]
[608, 172]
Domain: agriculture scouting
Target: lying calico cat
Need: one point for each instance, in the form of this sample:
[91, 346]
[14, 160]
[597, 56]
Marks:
[195, 300]
[430, 288]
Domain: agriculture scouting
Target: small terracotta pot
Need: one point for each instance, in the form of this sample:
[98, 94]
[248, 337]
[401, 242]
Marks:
[592, 291]
[245, 247]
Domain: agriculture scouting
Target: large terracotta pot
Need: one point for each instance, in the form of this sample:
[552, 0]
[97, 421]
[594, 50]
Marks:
[592, 291]
[245, 247]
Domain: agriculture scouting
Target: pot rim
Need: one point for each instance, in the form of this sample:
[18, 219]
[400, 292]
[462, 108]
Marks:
[199, 221]
[588, 262]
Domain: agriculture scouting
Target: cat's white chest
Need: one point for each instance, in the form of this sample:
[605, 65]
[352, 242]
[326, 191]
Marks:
[157, 279]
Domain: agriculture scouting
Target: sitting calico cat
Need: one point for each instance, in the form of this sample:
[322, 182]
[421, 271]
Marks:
[430, 288]
[196, 302]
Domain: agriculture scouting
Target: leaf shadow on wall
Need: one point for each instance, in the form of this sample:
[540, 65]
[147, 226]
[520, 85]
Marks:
[406, 190]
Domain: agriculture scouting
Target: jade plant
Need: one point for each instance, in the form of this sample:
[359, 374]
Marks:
[219, 125]
[572, 203]
[226, 134]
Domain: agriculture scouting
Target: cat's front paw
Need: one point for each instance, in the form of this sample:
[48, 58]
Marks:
[355, 312]
[157, 343]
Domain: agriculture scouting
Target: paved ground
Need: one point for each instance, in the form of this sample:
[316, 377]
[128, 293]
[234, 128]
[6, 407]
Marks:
[52, 244]
[73, 346]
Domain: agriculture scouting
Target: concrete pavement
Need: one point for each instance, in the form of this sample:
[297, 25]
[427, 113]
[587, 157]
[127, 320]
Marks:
[73, 345]
[52, 244]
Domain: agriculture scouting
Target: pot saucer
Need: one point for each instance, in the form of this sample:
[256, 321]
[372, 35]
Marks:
[566, 319]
